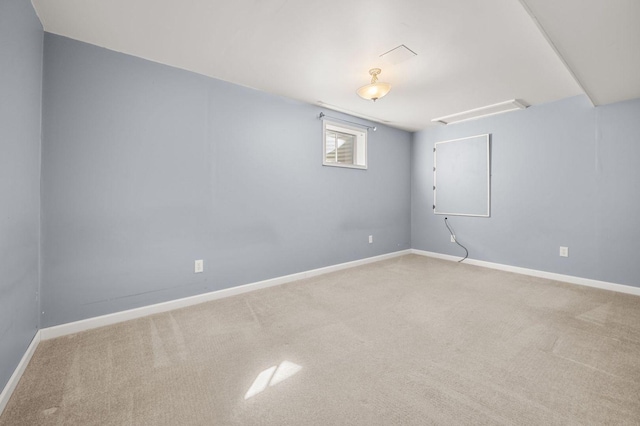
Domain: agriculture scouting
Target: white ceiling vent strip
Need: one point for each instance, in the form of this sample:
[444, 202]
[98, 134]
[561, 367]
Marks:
[499, 108]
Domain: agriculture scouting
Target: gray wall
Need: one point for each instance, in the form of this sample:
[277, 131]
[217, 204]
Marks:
[20, 106]
[563, 173]
[147, 168]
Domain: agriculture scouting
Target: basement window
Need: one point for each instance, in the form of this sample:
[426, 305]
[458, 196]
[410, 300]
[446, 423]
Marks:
[344, 146]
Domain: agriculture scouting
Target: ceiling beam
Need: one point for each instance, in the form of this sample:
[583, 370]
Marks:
[558, 53]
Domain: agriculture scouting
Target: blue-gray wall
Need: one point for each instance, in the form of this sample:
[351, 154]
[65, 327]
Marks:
[563, 174]
[147, 168]
[20, 106]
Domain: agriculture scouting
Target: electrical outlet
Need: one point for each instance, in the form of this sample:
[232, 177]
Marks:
[199, 266]
[564, 251]
[453, 239]
[370, 239]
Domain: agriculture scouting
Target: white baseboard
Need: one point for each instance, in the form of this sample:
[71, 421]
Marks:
[87, 324]
[90, 323]
[620, 288]
[17, 374]
[101, 321]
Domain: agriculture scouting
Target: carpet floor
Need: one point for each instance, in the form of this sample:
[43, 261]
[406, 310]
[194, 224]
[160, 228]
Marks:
[410, 340]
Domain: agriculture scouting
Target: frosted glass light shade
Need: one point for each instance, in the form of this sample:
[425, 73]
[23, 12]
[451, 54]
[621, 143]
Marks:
[374, 91]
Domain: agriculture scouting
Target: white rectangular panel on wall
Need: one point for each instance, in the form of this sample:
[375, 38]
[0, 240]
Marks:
[462, 177]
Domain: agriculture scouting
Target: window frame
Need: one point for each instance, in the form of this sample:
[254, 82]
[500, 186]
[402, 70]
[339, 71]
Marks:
[360, 134]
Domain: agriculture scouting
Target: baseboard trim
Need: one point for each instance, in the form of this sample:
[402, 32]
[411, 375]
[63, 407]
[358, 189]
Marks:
[17, 373]
[101, 321]
[620, 288]
[117, 317]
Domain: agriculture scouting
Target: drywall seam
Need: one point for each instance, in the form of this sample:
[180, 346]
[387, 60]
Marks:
[17, 373]
[117, 317]
[620, 288]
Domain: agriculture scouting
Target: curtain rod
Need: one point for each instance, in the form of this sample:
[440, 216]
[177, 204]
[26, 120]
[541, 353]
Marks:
[322, 114]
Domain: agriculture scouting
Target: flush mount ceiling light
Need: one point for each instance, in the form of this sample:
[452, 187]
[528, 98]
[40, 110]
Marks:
[376, 89]
[512, 105]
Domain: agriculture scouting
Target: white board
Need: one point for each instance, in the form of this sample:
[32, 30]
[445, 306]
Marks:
[462, 177]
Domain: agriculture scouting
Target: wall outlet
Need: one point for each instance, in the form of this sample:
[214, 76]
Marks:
[370, 239]
[564, 251]
[199, 266]
[453, 239]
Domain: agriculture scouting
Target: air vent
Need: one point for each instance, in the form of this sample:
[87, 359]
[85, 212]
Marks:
[398, 54]
[499, 108]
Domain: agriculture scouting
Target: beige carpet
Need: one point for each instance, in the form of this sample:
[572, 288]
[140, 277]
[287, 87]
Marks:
[410, 340]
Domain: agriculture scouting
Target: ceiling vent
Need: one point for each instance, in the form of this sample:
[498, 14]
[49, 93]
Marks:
[499, 108]
[398, 54]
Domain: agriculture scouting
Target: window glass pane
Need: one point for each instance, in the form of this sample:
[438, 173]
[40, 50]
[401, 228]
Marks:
[340, 147]
[346, 144]
[330, 147]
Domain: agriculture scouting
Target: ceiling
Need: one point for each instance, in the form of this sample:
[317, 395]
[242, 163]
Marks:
[469, 53]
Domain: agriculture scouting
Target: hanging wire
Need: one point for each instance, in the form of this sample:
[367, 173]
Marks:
[456, 240]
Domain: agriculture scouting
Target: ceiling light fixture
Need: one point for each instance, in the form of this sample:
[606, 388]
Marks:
[512, 105]
[376, 89]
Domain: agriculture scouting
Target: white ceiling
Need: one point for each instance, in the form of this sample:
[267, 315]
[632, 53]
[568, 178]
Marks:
[469, 53]
[599, 40]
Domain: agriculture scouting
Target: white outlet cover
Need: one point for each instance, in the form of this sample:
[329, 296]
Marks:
[199, 266]
[564, 251]
[370, 239]
[453, 239]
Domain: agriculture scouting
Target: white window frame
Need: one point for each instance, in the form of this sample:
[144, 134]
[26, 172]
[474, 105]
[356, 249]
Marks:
[361, 151]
